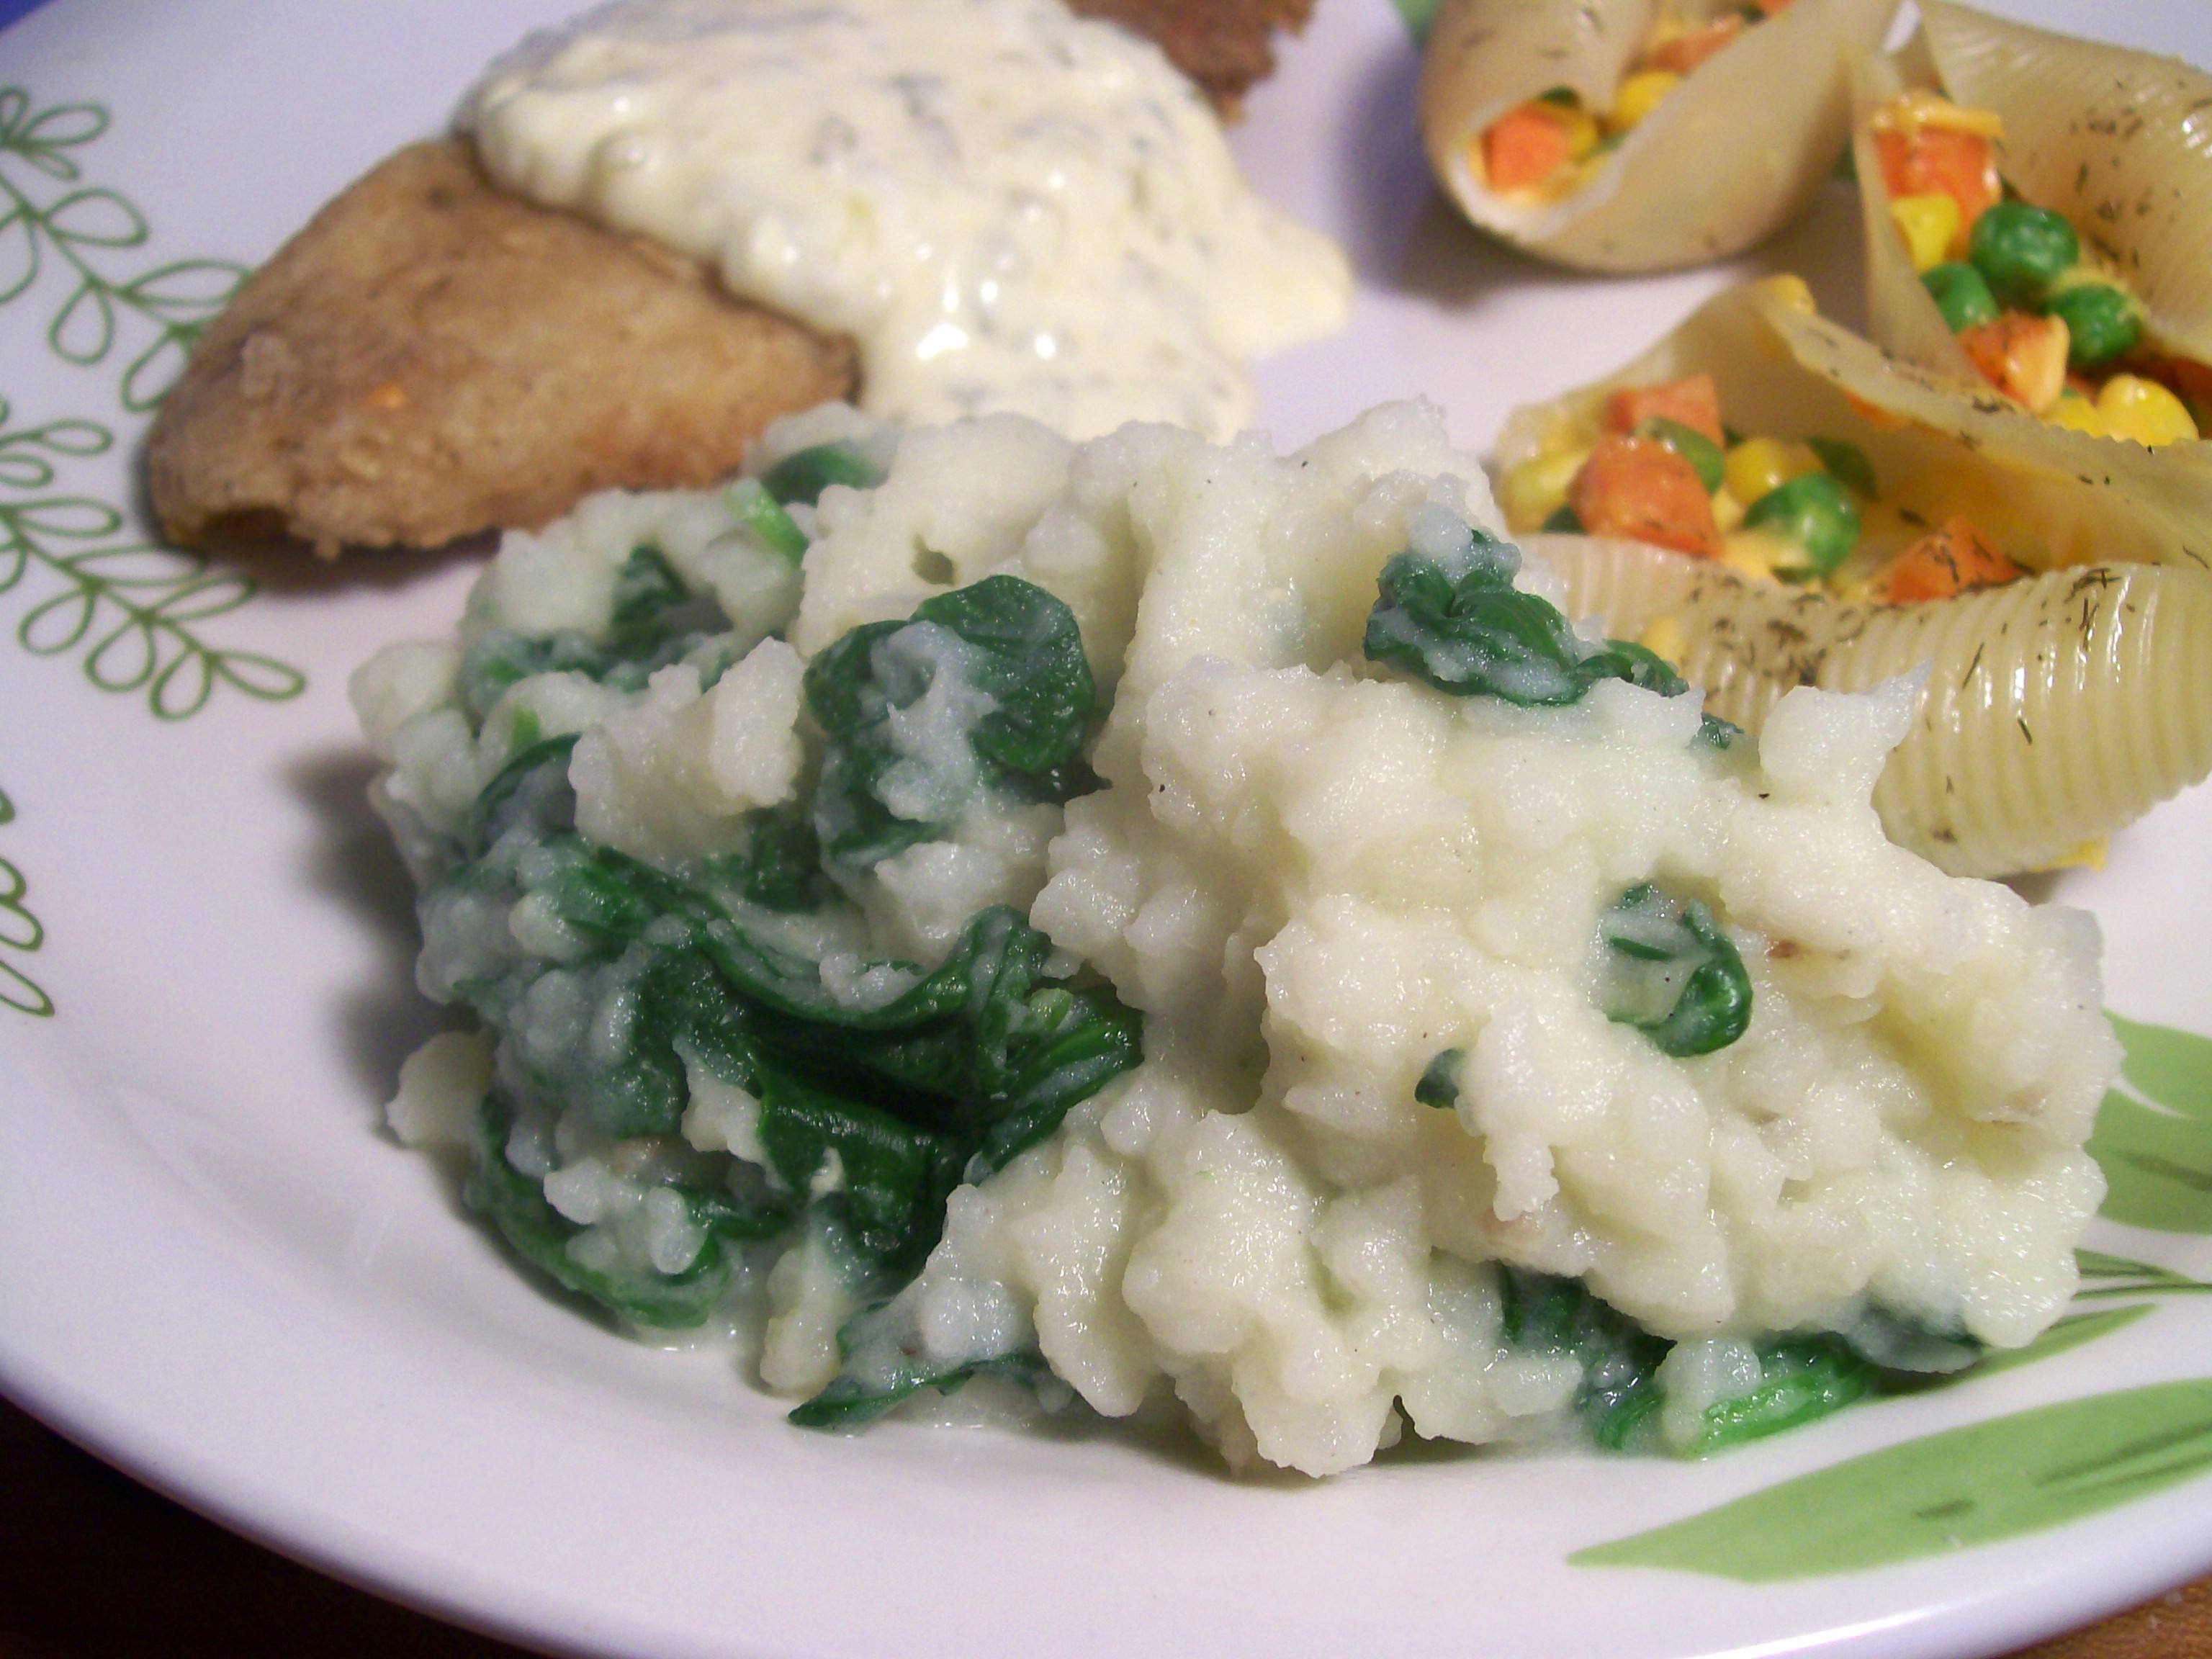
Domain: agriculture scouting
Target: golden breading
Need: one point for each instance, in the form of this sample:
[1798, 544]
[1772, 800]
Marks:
[1220, 44]
[431, 357]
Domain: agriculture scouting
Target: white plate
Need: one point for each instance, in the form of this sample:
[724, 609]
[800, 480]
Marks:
[214, 1270]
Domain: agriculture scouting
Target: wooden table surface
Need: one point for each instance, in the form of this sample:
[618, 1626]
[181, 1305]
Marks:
[92, 1565]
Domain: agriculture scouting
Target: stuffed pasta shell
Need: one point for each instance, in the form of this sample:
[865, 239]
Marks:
[1639, 135]
[2057, 710]
[1739, 500]
[2039, 217]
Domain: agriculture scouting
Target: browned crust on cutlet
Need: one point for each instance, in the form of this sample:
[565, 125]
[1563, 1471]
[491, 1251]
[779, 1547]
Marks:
[431, 357]
[1220, 44]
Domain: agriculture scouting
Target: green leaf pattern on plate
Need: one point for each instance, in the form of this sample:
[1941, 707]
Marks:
[1944, 1492]
[50, 219]
[2036, 1468]
[2153, 1138]
[129, 609]
[20, 933]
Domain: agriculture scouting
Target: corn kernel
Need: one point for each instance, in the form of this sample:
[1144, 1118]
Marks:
[1536, 489]
[2133, 407]
[1753, 553]
[2077, 414]
[1581, 128]
[1759, 465]
[1728, 511]
[1587, 170]
[1639, 96]
[1910, 111]
[1929, 223]
[1664, 638]
[2089, 855]
[1791, 291]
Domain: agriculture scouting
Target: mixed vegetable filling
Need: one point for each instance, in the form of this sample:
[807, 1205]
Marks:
[700, 1070]
[2046, 323]
[1552, 146]
[1664, 470]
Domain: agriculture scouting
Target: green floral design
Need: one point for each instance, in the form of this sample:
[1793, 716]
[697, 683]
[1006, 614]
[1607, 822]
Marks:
[20, 933]
[52, 220]
[131, 609]
[2153, 1138]
[2034, 1469]
[1968, 1485]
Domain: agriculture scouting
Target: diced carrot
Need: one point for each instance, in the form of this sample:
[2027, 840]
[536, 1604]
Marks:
[1880, 419]
[1946, 562]
[1927, 159]
[1640, 489]
[1686, 51]
[1770, 7]
[1524, 147]
[1693, 401]
[2022, 356]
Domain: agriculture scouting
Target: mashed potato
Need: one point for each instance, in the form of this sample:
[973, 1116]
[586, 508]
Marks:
[1394, 1153]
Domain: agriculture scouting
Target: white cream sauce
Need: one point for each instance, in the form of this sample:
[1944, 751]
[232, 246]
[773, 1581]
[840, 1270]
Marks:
[1009, 208]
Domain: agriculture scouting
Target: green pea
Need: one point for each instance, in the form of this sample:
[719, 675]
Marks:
[1815, 514]
[1692, 445]
[1846, 463]
[2101, 322]
[1562, 97]
[2023, 250]
[1960, 294]
[1563, 521]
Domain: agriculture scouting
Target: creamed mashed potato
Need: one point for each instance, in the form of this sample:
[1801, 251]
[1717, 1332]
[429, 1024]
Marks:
[1313, 877]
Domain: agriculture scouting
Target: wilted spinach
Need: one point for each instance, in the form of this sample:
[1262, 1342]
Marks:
[985, 688]
[654, 621]
[803, 475]
[541, 1235]
[1458, 624]
[1672, 974]
[1802, 1377]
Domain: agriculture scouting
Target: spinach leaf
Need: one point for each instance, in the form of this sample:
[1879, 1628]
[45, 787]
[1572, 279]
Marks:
[540, 1234]
[891, 1178]
[531, 789]
[1619, 1397]
[1439, 1084]
[987, 1028]
[653, 621]
[853, 1399]
[761, 514]
[803, 475]
[983, 688]
[1458, 624]
[501, 657]
[1675, 974]
[1801, 1379]
[1461, 626]
[628, 1073]
[781, 868]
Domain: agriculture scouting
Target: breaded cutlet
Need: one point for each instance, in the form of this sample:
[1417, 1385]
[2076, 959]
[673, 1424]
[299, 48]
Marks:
[431, 357]
[1222, 45]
